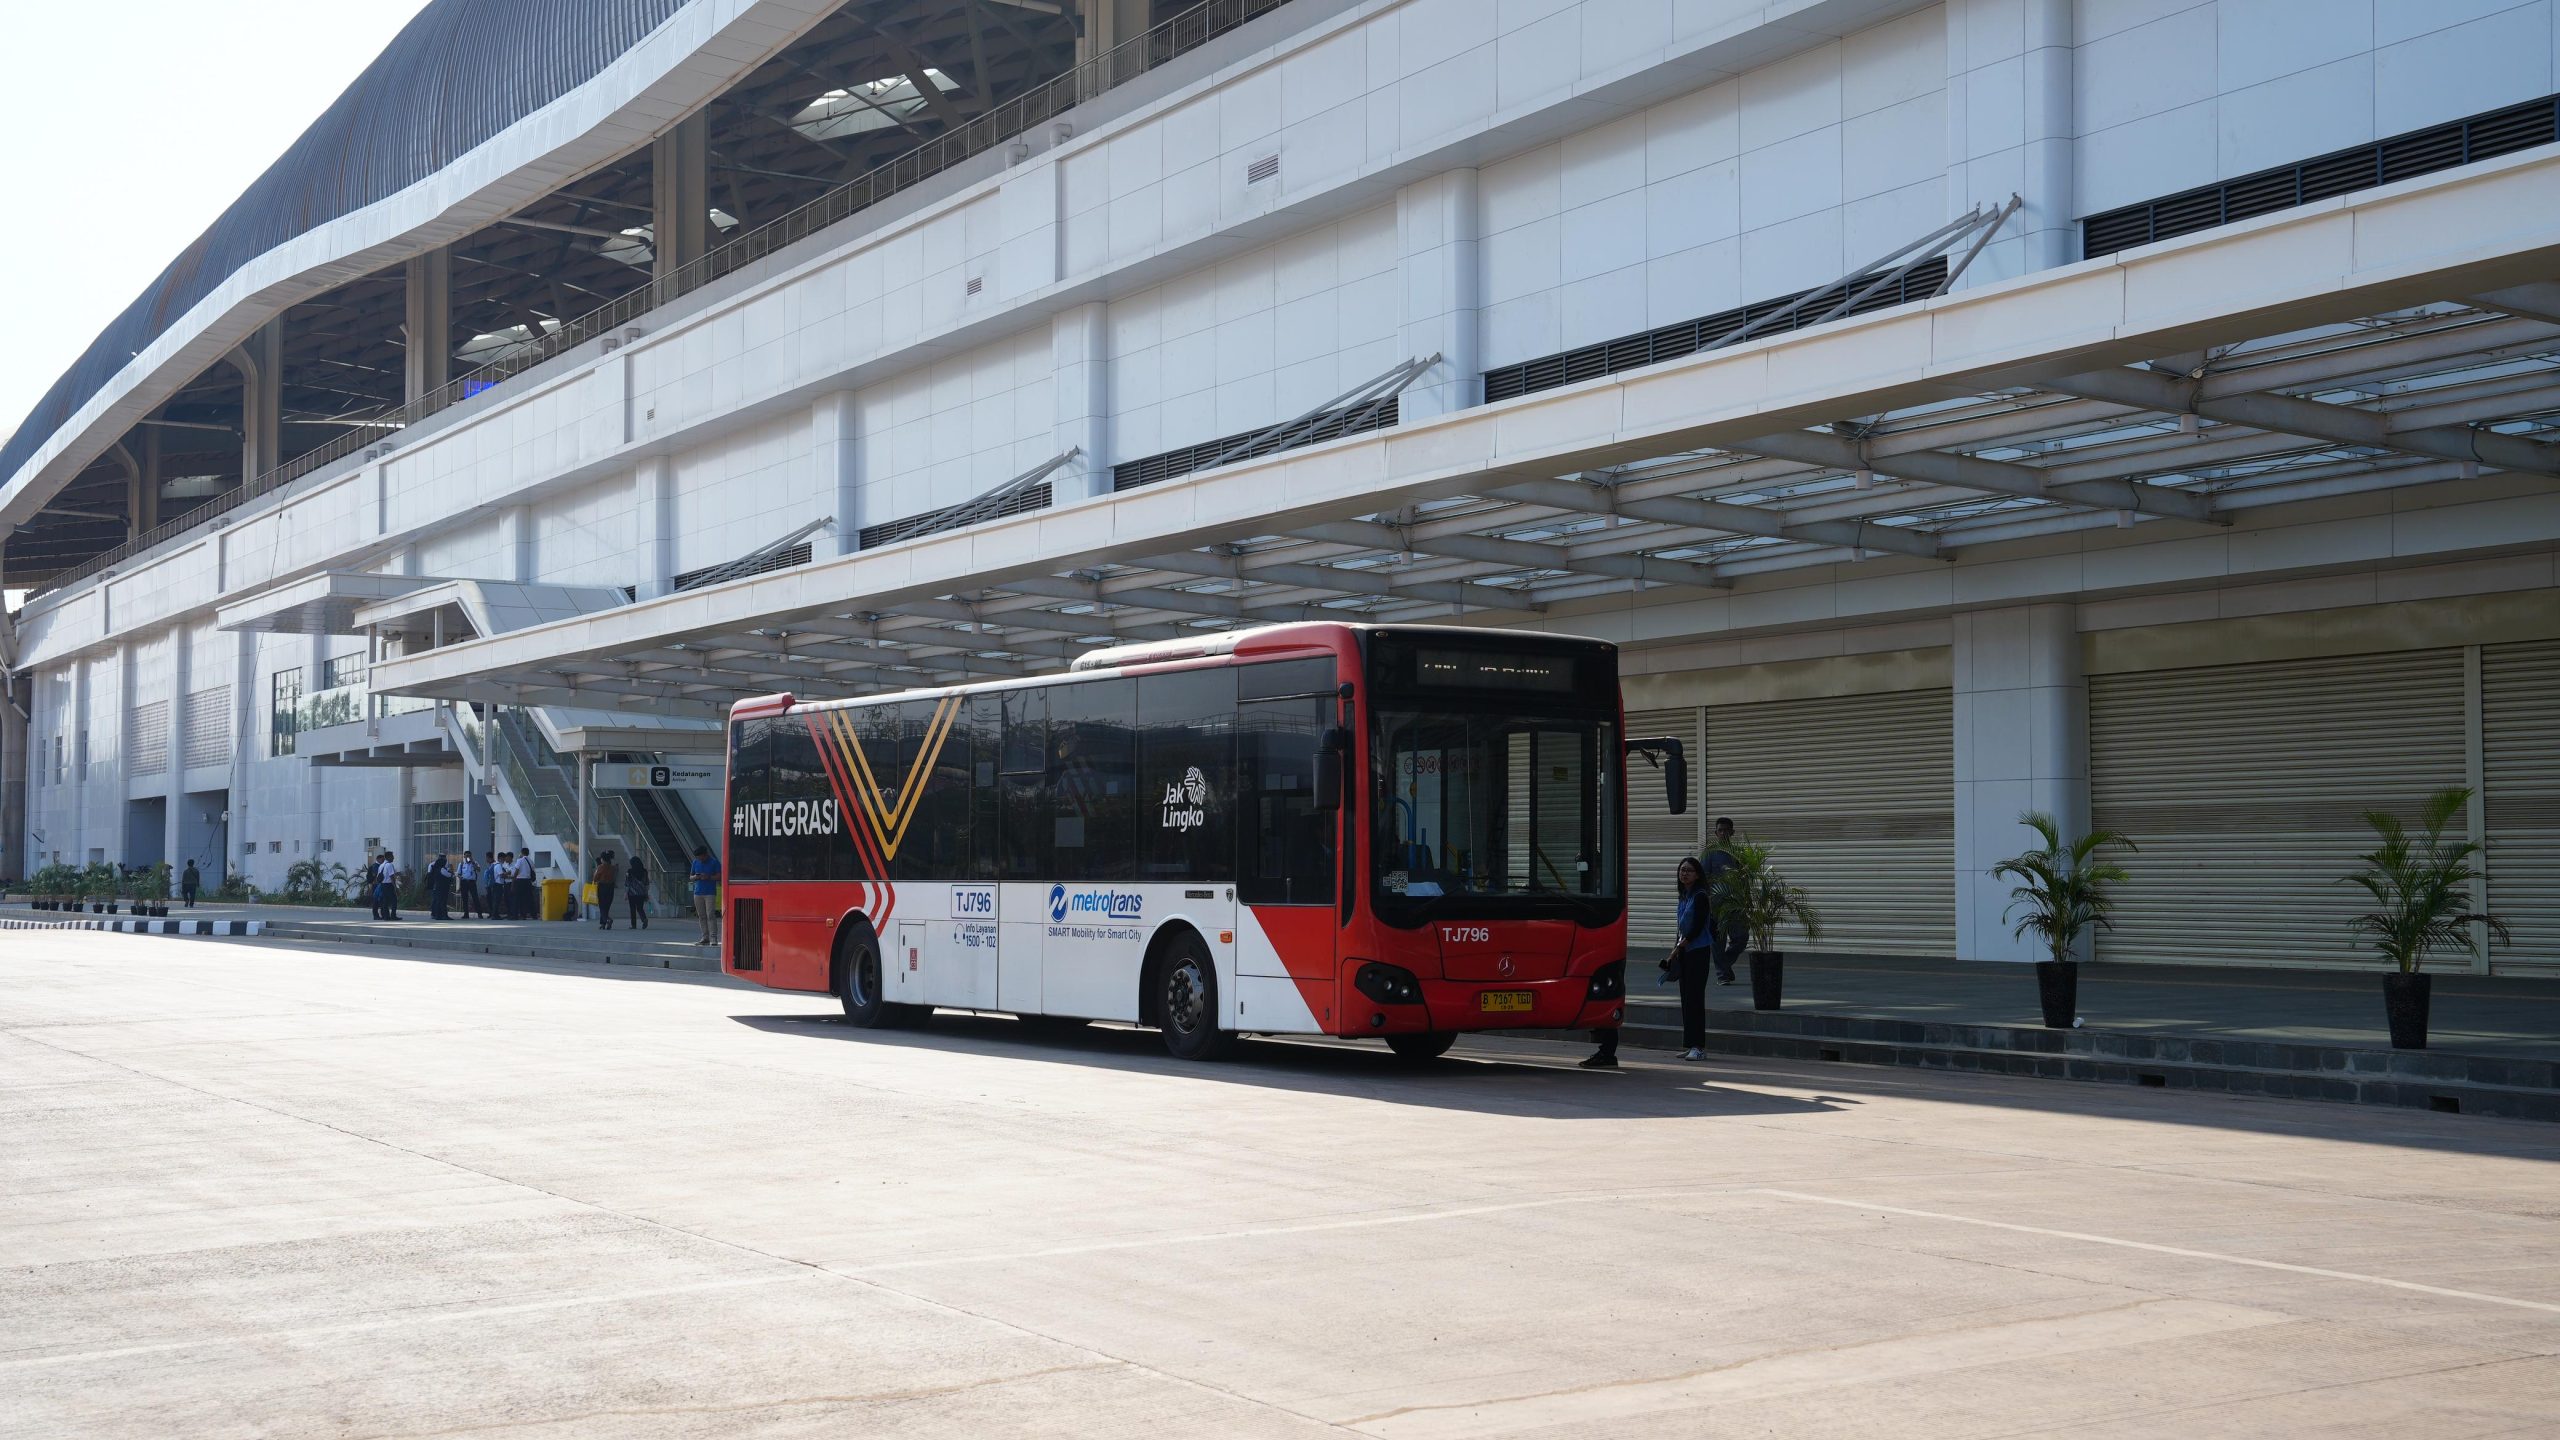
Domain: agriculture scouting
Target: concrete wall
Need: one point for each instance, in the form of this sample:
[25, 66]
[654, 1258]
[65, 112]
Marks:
[2173, 95]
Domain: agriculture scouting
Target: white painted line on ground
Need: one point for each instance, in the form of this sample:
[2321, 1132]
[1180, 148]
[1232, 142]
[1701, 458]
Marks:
[393, 1322]
[2123, 1244]
[1150, 1242]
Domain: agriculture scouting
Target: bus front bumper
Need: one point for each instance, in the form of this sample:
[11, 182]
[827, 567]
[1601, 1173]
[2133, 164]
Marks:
[1575, 1002]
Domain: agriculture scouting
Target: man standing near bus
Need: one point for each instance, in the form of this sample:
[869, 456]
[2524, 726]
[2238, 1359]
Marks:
[706, 893]
[1729, 931]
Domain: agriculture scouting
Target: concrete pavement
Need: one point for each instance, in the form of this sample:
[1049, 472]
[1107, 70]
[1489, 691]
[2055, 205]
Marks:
[271, 1191]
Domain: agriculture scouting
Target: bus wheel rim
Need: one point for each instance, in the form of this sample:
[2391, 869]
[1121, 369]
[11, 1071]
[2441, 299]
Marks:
[866, 976]
[1182, 997]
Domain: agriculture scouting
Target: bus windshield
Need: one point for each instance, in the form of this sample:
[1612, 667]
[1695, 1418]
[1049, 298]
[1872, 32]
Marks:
[1497, 782]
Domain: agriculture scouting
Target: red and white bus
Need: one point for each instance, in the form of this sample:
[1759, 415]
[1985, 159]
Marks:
[1165, 835]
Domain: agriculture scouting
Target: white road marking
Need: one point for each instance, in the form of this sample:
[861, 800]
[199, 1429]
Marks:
[2123, 1244]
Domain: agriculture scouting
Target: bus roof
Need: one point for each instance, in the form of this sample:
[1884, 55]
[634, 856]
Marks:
[1112, 659]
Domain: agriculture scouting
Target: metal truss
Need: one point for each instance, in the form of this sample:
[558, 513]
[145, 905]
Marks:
[2458, 390]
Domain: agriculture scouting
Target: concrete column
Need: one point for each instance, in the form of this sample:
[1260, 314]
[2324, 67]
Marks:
[76, 748]
[1437, 222]
[314, 787]
[260, 361]
[181, 663]
[1079, 359]
[579, 864]
[515, 541]
[2021, 743]
[428, 343]
[836, 466]
[1104, 26]
[653, 504]
[2011, 129]
[680, 197]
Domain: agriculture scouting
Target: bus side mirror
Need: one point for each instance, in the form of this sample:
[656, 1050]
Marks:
[1672, 758]
[1329, 752]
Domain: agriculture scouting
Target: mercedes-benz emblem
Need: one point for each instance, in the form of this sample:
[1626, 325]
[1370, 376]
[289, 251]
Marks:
[1503, 965]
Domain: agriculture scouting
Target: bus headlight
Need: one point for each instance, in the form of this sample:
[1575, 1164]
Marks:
[1609, 982]
[1387, 984]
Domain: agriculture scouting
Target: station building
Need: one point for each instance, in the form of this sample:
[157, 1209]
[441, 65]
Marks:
[2138, 410]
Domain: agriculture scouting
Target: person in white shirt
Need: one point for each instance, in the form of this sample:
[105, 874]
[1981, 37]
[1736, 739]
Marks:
[386, 888]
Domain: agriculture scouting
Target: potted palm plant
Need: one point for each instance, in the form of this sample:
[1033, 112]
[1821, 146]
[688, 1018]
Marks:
[2420, 886]
[97, 884]
[151, 890]
[1752, 891]
[2062, 888]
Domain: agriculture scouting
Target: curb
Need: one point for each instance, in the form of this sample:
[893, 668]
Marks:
[706, 963]
[143, 927]
[2407, 1079]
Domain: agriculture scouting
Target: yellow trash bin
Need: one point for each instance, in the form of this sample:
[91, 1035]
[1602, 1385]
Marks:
[555, 898]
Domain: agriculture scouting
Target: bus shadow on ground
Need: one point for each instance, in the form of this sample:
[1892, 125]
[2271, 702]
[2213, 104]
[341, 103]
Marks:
[1529, 1087]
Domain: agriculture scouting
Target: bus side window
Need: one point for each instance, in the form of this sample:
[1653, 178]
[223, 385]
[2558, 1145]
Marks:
[982, 718]
[750, 771]
[1022, 786]
[1186, 776]
[1092, 779]
[1285, 845]
[794, 773]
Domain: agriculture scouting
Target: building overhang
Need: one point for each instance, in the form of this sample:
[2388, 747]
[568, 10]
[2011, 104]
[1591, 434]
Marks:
[321, 604]
[2008, 443]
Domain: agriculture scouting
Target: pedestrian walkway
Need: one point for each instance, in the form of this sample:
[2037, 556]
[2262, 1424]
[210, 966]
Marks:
[2474, 1014]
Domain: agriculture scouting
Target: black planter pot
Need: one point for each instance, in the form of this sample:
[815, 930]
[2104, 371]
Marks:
[2405, 999]
[2058, 987]
[1768, 979]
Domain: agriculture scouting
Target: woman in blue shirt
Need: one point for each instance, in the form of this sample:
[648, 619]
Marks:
[1693, 958]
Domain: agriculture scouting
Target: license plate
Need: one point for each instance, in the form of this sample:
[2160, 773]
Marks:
[1502, 1002]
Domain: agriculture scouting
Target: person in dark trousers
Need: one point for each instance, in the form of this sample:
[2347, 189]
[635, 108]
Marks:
[527, 908]
[1730, 934]
[705, 873]
[635, 891]
[386, 893]
[607, 876]
[439, 888]
[466, 879]
[493, 877]
[189, 883]
[1691, 958]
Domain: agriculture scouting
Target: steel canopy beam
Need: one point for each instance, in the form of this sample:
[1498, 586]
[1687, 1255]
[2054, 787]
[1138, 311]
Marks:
[2313, 419]
[1599, 499]
[1526, 554]
[1971, 472]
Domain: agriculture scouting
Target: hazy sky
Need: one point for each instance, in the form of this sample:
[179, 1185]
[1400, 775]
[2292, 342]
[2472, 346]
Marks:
[126, 126]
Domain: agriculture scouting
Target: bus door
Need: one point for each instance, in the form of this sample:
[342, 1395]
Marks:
[1287, 850]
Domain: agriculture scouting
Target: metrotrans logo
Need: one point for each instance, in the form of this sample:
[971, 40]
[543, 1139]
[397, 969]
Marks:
[1094, 904]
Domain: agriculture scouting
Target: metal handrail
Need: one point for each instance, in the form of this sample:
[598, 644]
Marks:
[1087, 79]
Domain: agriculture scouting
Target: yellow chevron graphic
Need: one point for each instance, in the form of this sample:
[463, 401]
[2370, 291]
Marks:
[889, 819]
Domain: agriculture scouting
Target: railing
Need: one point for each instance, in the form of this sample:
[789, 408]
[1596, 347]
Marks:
[1118, 66]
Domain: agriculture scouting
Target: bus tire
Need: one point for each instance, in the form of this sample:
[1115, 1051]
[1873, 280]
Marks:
[1186, 1000]
[857, 981]
[1422, 1044]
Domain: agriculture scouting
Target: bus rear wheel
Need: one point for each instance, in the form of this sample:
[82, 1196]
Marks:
[1187, 1002]
[1422, 1044]
[858, 983]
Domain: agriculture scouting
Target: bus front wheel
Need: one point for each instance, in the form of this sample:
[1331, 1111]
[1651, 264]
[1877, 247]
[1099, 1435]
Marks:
[1422, 1044]
[858, 983]
[1187, 1002]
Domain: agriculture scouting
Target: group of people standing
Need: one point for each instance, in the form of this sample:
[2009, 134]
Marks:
[1711, 936]
[499, 886]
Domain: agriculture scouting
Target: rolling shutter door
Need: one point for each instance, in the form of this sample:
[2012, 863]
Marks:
[2520, 750]
[1656, 838]
[1855, 795]
[2244, 786]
